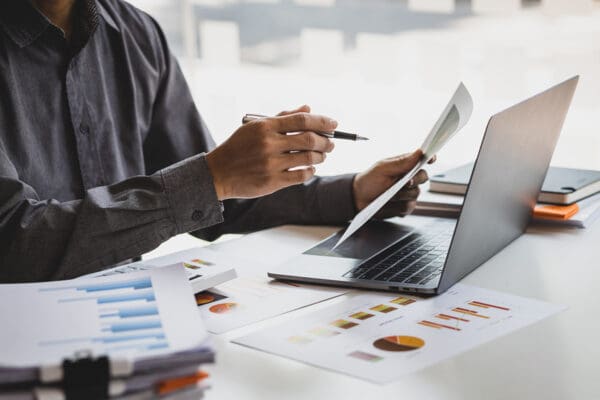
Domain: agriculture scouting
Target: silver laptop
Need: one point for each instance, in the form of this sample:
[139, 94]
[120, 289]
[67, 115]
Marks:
[509, 171]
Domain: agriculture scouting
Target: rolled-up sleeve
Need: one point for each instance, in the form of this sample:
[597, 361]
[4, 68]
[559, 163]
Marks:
[46, 239]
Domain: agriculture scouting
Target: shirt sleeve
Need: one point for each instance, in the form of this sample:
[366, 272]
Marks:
[178, 130]
[44, 239]
[320, 201]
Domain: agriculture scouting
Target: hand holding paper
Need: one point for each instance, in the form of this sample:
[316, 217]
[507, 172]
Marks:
[453, 118]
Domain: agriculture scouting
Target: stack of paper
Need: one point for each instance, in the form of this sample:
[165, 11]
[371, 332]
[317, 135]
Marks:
[449, 205]
[143, 325]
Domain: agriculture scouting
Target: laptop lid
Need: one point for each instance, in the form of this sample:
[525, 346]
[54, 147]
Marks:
[514, 156]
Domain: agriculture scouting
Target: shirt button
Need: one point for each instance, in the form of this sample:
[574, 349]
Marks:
[84, 129]
[196, 215]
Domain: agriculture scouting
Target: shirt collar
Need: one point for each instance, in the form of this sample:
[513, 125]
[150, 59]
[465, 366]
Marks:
[106, 16]
[21, 21]
[24, 24]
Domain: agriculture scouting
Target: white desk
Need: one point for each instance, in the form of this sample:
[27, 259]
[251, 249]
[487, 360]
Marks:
[558, 358]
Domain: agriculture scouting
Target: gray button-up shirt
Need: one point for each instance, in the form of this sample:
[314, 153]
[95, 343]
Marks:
[102, 149]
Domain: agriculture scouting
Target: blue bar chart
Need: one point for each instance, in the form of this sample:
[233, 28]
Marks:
[131, 316]
[127, 314]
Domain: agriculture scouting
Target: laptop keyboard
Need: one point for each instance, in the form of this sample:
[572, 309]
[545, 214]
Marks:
[416, 259]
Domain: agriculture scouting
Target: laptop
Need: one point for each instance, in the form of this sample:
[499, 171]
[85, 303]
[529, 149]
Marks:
[513, 158]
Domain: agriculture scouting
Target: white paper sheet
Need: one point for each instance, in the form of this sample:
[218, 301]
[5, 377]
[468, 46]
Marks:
[128, 315]
[205, 267]
[453, 118]
[380, 337]
[244, 301]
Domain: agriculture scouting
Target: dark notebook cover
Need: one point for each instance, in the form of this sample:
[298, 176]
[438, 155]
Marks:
[559, 181]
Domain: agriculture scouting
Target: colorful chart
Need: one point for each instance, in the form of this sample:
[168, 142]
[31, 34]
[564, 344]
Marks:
[222, 308]
[469, 312]
[361, 315]
[404, 301]
[202, 262]
[487, 305]
[399, 343]
[190, 266]
[299, 339]
[437, 325]
[207, 297]
[451, 318]
[323, 332]
[342, 323]
[361, 355]
[204, 298]
[383, 308]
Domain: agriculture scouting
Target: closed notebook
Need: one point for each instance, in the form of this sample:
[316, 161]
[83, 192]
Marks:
[561, 186]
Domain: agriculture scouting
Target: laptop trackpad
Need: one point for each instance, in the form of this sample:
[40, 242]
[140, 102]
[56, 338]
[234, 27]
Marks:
[368, 240]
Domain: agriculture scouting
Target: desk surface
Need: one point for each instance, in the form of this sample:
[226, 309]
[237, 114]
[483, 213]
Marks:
[557, 358]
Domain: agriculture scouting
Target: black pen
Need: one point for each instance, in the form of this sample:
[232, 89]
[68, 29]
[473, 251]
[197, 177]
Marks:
[330, 135]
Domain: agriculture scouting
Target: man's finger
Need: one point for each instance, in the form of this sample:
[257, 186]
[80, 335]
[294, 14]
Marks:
[400, 165]
[420, 178]
[407, 194]
[305, 141]
[301, 158]
[305, 109]
[433, 159]
[303, 121]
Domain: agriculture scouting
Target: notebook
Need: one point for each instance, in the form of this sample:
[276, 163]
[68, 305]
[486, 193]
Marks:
[580, 214]
[561, 186]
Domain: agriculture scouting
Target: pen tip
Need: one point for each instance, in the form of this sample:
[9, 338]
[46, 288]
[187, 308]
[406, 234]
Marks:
[361, 138]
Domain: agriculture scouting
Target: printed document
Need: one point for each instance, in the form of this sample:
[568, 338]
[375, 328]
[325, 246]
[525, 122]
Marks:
[381, 337]
[135, 315]
[453, 118]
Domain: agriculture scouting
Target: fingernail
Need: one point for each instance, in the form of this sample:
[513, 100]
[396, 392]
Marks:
[333, 122]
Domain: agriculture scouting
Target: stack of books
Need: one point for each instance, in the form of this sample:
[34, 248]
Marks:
[126, 336]
[569, 197]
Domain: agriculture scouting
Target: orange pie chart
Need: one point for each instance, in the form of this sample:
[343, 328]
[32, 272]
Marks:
[399, 343]
[204, 298]
[222, 308]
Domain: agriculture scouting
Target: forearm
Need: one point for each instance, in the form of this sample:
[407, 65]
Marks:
[320, 201]
[47, 239]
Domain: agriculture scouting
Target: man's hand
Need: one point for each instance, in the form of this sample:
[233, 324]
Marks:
[256, 160]
[368, 185]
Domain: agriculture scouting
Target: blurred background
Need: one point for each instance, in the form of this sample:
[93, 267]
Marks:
[386, 68]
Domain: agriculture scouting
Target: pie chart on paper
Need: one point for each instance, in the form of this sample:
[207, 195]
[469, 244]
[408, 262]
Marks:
[399, 343]
[222, 308]
[204, 298]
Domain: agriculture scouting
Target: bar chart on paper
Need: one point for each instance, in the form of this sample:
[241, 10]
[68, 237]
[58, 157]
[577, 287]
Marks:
[380, 337]
[129, 314]
[126, 311]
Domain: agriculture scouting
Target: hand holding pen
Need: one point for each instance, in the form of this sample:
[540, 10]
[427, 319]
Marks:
[331, 135]
[261, 156]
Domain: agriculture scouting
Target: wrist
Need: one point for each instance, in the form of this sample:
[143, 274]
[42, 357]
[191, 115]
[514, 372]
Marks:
[218, 181]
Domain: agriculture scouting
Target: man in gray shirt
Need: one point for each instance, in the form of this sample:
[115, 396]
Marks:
[103, 154]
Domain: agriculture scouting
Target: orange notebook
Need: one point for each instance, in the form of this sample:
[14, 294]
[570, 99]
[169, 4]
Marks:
[555, 212]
